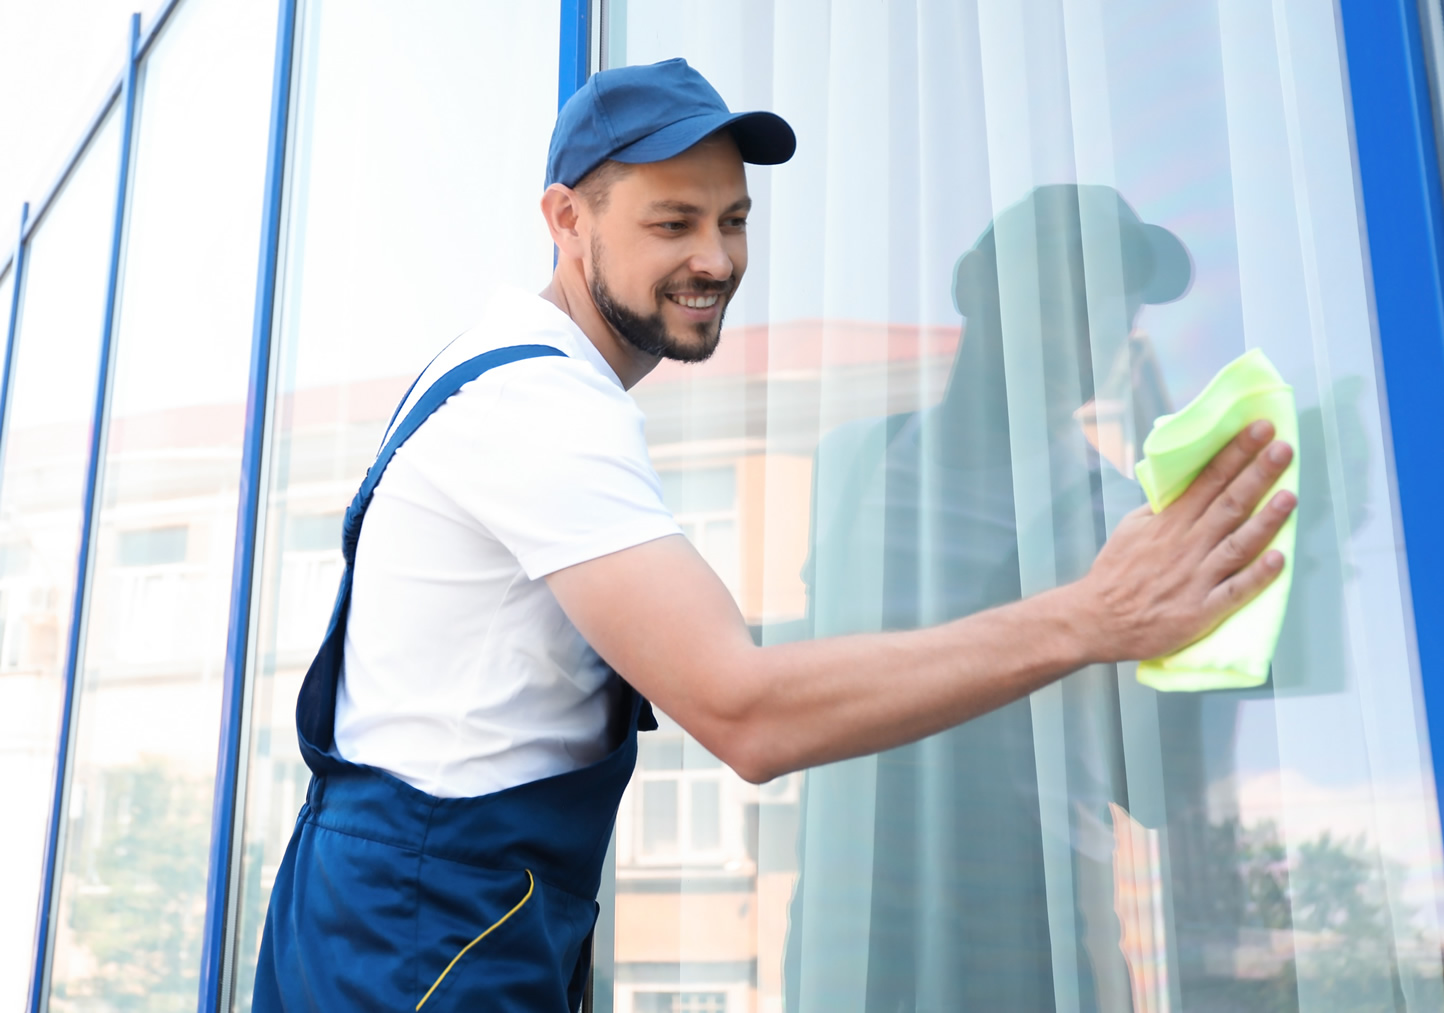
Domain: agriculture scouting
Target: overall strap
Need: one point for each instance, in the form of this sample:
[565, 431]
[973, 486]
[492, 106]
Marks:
[402, 403]
[448, 384]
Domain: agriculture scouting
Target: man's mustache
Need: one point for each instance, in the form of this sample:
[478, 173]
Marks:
[701, 285]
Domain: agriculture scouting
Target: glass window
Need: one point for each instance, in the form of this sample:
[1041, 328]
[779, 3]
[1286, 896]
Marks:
[413, 192]
[14, 559]
[132, 897]
[1012, 237]
[42, 488]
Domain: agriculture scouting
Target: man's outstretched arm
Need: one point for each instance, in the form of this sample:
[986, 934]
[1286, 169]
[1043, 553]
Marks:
[660, 616]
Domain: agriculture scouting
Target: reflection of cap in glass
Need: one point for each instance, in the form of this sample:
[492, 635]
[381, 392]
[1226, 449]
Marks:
[652, 113]
[1156, 267]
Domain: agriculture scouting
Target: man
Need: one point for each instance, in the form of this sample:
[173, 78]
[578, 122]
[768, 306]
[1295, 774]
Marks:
[520, 589]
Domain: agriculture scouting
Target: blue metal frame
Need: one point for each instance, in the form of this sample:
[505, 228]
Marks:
[573, 69]
[228, 800]
[572, 57]
[1399, 179]
[39, 981]
[18, 260]
[576, 44]
[12, 321]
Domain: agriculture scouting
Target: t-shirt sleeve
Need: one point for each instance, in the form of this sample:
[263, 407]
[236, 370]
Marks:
[555, 466]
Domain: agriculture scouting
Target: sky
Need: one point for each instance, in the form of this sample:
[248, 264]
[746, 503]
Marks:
[57, 59]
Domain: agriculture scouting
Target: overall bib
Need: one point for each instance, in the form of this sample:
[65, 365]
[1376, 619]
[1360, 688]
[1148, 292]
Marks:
[388, 898]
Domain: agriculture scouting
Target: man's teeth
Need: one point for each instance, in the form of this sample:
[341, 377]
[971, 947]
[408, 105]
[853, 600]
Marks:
[697, 302]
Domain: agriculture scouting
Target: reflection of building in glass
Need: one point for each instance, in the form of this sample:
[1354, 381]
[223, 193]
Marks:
[137, 811]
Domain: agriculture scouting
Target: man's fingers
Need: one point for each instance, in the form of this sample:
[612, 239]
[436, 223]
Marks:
[1236, 503]
[1244, 586]
[1226, 465]
[1242, 545]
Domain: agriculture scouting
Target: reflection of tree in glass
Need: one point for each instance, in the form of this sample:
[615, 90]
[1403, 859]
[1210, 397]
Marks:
[253, 912]
[1331, 912]
[139, 905]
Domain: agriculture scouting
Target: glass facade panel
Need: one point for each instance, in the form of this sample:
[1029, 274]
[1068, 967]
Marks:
[129, 924]
[1012, 237]
[413, 191]
[42, 489]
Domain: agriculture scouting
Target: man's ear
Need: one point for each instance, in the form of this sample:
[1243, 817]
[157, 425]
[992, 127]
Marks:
[561, 206]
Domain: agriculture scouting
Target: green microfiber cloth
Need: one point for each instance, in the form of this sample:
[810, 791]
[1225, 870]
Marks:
[1236, 655]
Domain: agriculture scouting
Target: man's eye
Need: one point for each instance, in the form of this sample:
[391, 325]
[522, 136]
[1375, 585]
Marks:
[736, 223]
[672, 226]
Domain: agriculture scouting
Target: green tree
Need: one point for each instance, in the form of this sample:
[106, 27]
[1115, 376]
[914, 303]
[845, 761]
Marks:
[1334, 897]
[138, 889]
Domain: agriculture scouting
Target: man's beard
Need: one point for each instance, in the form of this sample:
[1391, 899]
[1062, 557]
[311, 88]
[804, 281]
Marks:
[648, 333]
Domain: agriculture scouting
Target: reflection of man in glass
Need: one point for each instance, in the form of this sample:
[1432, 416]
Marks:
[1051, 386]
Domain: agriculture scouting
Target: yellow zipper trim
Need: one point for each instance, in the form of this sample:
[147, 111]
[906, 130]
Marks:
[531, 885]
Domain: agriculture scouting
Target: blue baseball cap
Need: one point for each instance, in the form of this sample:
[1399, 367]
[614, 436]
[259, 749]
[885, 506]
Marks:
[652, 113]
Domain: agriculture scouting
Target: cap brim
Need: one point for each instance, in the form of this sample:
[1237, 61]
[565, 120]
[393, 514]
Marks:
[1170, 268]
[763, 138]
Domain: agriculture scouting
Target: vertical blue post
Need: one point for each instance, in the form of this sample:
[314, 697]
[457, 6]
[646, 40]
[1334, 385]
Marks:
[572, 58]
[228, 807]
[572, 73]
[17, 279]
[576, 42]
[1399, 180]
[54, 843]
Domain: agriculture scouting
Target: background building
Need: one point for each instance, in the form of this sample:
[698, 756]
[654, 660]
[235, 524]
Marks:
[282, 210]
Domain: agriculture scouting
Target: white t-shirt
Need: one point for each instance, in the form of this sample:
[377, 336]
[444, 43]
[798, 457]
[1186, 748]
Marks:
[462, 674]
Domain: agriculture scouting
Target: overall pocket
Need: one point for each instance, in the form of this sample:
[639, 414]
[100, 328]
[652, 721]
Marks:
[496, 940]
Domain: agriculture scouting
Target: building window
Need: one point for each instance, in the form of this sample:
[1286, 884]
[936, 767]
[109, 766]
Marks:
[310, 573]
[704, 503]
[679, 1002]
[678, 813]
[14, 559]
[152, 546]
[314, 532]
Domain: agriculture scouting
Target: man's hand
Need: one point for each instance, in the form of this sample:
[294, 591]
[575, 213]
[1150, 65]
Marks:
[1165, 580]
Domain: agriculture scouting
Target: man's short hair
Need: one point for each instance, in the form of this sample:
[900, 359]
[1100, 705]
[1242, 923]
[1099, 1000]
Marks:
[596, 186]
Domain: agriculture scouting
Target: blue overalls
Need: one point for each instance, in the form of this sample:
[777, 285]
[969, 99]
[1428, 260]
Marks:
[391, 899]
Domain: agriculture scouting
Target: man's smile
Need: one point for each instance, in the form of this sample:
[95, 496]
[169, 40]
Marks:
[696, 302]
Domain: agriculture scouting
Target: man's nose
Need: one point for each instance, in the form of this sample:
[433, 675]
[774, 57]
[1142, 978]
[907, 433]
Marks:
[710, 257]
